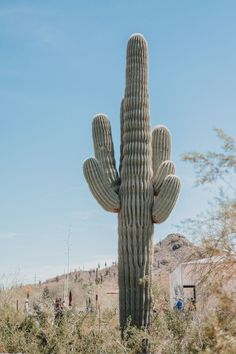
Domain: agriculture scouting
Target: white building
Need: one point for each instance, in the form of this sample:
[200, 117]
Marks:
[195, 279]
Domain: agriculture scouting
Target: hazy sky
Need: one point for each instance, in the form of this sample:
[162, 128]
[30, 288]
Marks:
[61, 62]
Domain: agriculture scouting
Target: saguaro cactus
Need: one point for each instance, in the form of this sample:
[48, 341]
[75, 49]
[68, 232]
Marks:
[143, 192]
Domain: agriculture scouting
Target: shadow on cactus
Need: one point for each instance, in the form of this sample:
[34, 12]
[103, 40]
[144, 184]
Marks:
[143, 192]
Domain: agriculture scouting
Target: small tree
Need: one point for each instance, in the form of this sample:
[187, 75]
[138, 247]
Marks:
[217, 226]
[218, 169]
[212, 167]
[46, 293]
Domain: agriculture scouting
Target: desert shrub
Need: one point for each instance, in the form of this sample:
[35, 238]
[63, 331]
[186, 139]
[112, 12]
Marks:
[171, 332]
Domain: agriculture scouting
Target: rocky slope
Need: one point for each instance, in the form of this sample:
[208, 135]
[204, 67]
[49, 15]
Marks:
[103, 284]
[173, 250]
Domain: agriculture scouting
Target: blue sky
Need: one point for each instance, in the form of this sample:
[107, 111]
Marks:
[62, 62]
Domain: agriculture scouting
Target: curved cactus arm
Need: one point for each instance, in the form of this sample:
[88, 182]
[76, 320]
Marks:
[104, 149]
[100, 187]
[166, 199]
[166, 168]
[161, 146]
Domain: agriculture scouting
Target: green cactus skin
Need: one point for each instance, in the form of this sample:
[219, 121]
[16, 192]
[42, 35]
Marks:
[143, 192]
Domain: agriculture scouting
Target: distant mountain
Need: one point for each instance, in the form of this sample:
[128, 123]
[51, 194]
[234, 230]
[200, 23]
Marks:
[173, 250]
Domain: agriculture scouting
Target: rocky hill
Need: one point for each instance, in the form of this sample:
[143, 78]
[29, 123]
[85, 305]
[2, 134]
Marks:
[171, 251]
[101, 286]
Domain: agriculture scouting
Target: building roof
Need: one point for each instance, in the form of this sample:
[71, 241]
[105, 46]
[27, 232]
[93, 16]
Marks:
[213, 259]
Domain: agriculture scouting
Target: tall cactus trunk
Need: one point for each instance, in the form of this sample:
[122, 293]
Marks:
[136, 192]
[145, 190]
[134, 268]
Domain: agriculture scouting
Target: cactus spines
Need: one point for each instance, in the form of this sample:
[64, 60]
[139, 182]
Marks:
[100, 186]
[166, 199]
[143, 192]
[161, 146]
[165, 169]
[103, 147]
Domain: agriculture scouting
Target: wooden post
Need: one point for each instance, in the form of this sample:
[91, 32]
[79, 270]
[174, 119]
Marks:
[70, 298]
[96, 302]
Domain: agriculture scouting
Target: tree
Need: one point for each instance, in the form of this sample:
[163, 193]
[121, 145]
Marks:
[212, 166]
[217, 225]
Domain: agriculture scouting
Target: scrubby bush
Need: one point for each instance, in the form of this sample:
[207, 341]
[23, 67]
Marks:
[171, 331]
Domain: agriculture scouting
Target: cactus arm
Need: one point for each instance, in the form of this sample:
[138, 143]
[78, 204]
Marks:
[104, 149]
[166, 199]
[166, 168]
[161, 146]
[100, 187]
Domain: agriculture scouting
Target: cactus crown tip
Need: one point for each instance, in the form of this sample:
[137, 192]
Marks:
[137, 35]
[161, 127]
[100, 115]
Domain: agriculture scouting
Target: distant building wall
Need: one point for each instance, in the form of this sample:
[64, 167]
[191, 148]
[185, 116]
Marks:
[200, 277]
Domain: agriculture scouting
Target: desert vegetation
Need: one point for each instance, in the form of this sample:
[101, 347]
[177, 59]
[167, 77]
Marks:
[42, 331]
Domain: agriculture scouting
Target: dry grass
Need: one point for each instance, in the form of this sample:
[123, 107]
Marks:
[83, 332]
